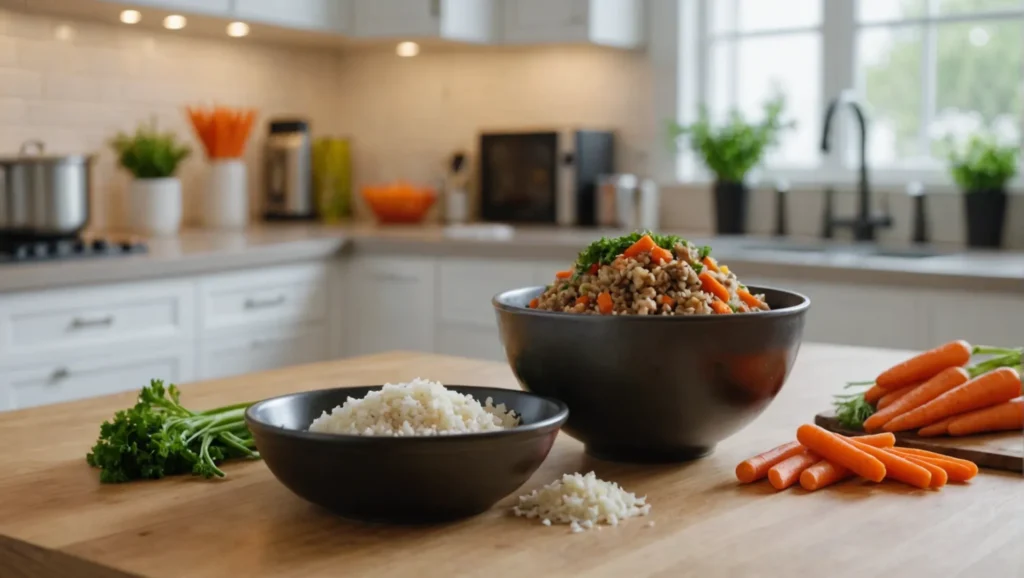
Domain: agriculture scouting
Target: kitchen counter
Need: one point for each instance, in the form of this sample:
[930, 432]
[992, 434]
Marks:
[705, 524]
[196, 252]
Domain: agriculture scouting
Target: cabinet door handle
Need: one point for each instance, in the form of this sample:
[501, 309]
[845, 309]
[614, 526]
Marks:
[83, 323]
[264, 303]
[60, 374]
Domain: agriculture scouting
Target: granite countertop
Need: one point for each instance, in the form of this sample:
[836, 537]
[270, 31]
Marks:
[200, 252]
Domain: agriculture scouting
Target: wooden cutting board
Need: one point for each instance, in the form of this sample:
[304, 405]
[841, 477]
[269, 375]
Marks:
[1002, 451]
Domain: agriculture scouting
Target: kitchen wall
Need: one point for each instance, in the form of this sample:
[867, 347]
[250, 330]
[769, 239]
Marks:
[74, 84]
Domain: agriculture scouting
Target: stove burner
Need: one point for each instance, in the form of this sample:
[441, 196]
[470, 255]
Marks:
[22, 250]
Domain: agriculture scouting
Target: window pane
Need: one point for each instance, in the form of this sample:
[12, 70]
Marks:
[889, 10]
[967, 6]
[890, 72]
[792, 64]
[978, 80]
[761, 15]
[720, 76]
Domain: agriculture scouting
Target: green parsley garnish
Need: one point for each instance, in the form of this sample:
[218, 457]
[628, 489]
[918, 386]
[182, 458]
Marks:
[604, 251]
[704, 252]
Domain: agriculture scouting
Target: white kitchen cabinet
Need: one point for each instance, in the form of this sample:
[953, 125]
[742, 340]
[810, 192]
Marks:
[617, 23]
[324, 15]
[471, 341]
[391, 305]
[207, 7]
[100, 372]
[460, 20]
[261, 350]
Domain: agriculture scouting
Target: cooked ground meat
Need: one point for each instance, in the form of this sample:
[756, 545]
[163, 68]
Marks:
[639, 286]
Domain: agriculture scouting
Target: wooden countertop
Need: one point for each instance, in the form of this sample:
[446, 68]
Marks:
[706, 525]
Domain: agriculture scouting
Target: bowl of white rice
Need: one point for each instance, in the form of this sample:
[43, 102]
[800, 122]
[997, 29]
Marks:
[407, 452]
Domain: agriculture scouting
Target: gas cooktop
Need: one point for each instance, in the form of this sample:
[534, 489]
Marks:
[19, 250]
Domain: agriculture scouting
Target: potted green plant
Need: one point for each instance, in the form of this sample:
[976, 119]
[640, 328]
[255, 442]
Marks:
[730, 151]
[152, 157]
[981, 168]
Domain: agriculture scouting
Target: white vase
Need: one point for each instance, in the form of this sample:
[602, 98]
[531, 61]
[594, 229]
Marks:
[156, 206]
[226, 203]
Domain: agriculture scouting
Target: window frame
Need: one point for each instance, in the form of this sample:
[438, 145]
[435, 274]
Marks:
[840, 72]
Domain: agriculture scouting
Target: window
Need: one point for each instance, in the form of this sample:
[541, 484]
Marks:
[925, 70]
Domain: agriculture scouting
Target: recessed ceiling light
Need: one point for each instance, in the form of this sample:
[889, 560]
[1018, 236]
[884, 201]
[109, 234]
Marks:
[175, 22]
[131, 16]
[407, 49]
[238, 29]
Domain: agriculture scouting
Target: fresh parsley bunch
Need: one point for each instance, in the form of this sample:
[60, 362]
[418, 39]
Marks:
[159, 437]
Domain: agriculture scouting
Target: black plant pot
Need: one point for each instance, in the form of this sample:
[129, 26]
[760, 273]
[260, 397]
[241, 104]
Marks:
[730, 208]
[986, 215]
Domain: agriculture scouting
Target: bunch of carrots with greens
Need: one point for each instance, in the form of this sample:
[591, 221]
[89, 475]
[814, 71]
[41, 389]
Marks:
[820, 458]
[938, 393]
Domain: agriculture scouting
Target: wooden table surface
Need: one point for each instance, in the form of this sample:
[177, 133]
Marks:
[706, 525]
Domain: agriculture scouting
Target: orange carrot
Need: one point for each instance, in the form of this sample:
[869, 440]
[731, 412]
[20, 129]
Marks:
[755, 468]
[787, 472]
[604, 303]
[644, 245]
[995, 387]
[712, 286]
[749, 298]
[946, 380]
[939, 475]
[925, 365]
[1003, 417]
[710, 263]
[582, 300]
[897, 467]
[720, 307]
[564, 274]
[825, 473]
[839, 451]
[891, 396]
[659, 255]
[958, 470]
[874, 394]
[939, 428]
[534, 302]
[666, 300]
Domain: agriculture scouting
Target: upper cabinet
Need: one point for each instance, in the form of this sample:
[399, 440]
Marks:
[324, 15]
[209, 7]
[618, 23]
[459, 20]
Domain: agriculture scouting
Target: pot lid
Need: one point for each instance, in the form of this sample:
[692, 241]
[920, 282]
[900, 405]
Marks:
[34, 152]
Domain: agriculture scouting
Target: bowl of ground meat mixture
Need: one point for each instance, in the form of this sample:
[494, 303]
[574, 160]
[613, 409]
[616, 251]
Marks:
[659, 350]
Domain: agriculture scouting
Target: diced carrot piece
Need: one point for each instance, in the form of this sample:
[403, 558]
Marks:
[534, 302]
[710, 263]
[564, 274]
[712, 286]
[721, 307]
[582, 300]
[644, 245]
[659, 255]
[604, 303]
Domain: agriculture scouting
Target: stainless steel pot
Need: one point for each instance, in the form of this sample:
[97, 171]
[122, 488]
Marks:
[44, 195]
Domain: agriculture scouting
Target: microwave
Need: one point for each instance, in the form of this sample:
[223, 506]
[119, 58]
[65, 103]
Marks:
[545, 177]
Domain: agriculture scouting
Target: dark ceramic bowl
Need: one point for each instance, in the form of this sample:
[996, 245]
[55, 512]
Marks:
[653, 388]
[396, 479]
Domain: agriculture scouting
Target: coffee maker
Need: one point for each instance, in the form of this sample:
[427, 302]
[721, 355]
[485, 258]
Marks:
[288, 172]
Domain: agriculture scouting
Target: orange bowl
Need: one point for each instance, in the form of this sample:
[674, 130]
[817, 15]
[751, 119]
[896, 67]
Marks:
[399, 202]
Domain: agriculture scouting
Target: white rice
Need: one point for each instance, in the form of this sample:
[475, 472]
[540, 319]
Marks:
[418, 408]
[582, 501]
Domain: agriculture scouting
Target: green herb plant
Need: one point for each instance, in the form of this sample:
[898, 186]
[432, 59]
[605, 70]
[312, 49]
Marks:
[605, 250]
[158, 437]
[734, 148]
[150, 154]
[982, 164]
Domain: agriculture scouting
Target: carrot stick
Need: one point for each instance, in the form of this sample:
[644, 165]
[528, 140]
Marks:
[939, 475]
[604, 303]
[897, 467]
[995, 387]
[888, 398]
[659, 255]
[720, 307]
[643, 245]
[755, 468]
[749, 298]
[946, 380]
[925, 365]
[838, 450]
[825, 473]
[957, 469]
[712, 286]
[710, 263]
[874, 394]
[787, 472]
[1003, 417]
[939, 428]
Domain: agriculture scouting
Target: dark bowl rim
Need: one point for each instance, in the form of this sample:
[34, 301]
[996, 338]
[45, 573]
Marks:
[805, 303]
[556, 421]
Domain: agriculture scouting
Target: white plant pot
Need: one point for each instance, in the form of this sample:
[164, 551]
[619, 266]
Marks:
[156, 206]
[226, 203]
